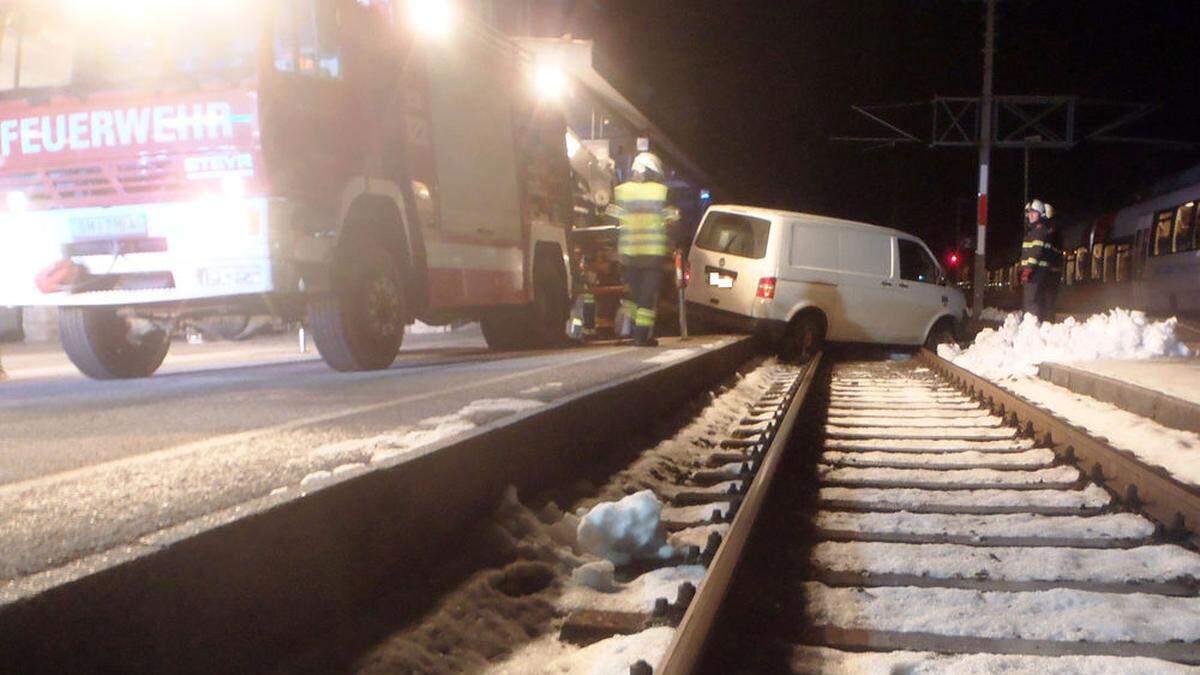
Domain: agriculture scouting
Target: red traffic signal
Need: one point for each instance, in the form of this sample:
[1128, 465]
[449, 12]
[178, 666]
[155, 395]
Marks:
[952, 259]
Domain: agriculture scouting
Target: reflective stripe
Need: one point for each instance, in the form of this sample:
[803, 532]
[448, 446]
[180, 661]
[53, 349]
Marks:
[643, 212]
[645, 317]
[1035, 242]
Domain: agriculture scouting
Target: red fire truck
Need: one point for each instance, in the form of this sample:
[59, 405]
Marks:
[353, 164]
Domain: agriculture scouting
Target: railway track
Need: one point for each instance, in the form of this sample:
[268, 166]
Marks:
[924, 515]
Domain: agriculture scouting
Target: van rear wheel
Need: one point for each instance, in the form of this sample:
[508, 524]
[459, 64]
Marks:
[804, 338]
[360, 325]
[104, 346]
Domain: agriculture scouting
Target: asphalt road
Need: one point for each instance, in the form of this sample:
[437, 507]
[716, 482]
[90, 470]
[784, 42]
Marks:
[90, 467]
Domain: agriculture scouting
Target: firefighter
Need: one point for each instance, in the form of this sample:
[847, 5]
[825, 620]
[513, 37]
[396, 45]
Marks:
[1041, 260]
[643, 243]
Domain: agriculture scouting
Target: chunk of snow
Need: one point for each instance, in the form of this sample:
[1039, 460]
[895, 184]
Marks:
[638, 595]
[315, 477]
[625, 530]
[597, 575]
[1022, 343]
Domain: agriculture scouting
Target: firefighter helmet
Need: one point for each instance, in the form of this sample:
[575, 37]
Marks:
[1042, 208]
[648, 162]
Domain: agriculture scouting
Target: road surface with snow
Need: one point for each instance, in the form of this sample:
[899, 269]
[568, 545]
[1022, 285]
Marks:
[87, 465]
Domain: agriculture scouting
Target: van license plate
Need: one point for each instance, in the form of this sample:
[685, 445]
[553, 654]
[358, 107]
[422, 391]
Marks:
[720, 280]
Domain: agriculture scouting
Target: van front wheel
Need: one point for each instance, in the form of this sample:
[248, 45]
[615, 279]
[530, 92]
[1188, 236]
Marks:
[804, 338]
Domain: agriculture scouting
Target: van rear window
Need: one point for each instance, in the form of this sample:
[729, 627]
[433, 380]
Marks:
[734, 234]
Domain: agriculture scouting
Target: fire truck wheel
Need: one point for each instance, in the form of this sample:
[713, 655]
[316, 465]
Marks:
[505, 328]
[551, 305]
[541, 323]
[360, 325]
[103, 346]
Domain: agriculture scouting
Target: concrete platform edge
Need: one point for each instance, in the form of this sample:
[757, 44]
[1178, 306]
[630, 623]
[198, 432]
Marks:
[1167, 410]
[238, 591]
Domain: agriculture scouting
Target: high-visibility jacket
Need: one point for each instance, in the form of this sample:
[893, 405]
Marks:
[644, 214]
[1042, 247]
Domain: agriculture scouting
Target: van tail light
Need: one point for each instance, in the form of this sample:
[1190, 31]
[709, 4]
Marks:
[766, 288]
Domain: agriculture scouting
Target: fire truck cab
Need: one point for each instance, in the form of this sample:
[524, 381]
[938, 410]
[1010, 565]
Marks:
[352, 164]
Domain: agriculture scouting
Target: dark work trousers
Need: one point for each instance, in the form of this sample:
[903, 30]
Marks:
[1041, 294]
[643, 278]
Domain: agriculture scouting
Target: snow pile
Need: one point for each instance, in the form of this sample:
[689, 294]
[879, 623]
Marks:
[626, 530]
[993, 314]
[1021, 344]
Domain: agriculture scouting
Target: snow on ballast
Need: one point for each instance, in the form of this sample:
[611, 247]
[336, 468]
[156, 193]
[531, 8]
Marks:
[902, 421]
[1072, 621]
[961, 479]
[1088, 501]
[1009, 529]
[928, 445]
[1158, 569]
[965, 433]
[1028, 459]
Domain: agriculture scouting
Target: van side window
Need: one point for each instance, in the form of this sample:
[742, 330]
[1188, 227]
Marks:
[734, 234]
[306, 38]
[814, 246]
[866, 253]
[915, 263]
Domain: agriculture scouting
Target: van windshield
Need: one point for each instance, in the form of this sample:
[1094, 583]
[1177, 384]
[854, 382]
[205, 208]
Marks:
[734, 234]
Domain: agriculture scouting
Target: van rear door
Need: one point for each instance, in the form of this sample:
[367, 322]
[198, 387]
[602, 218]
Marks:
[728, 257]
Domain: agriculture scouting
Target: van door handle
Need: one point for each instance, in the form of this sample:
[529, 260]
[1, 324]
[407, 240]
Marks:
[886, 283]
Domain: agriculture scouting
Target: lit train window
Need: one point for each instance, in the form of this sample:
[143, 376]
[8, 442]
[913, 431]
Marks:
[1185, 229]
[1162, 232]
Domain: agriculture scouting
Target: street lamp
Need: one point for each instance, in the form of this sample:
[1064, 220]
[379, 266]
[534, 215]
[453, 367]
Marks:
[550, 81]
[431, 17]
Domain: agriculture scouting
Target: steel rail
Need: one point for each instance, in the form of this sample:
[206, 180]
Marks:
[687, 647]
[1173, 505]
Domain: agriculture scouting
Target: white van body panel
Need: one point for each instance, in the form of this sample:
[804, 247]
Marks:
[849, 271]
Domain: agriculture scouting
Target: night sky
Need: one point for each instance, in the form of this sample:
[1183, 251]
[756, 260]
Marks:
[755, 89]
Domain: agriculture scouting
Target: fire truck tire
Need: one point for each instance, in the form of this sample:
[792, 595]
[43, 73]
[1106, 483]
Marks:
[102, 345]
[360, 325]
[551, 303]
[539, 324]
[505, 328]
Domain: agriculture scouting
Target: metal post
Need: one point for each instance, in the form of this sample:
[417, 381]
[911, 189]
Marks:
[985, 155]
[1026, 148]
[302, 340]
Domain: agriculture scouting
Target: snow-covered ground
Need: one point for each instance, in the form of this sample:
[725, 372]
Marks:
[1176, 451]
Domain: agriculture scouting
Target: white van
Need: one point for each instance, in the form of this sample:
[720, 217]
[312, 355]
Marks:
[801, 279]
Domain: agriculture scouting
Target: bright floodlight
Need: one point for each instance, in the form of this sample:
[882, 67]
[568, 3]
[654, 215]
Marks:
[18, 202]
[550, 81]
[432, 17]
